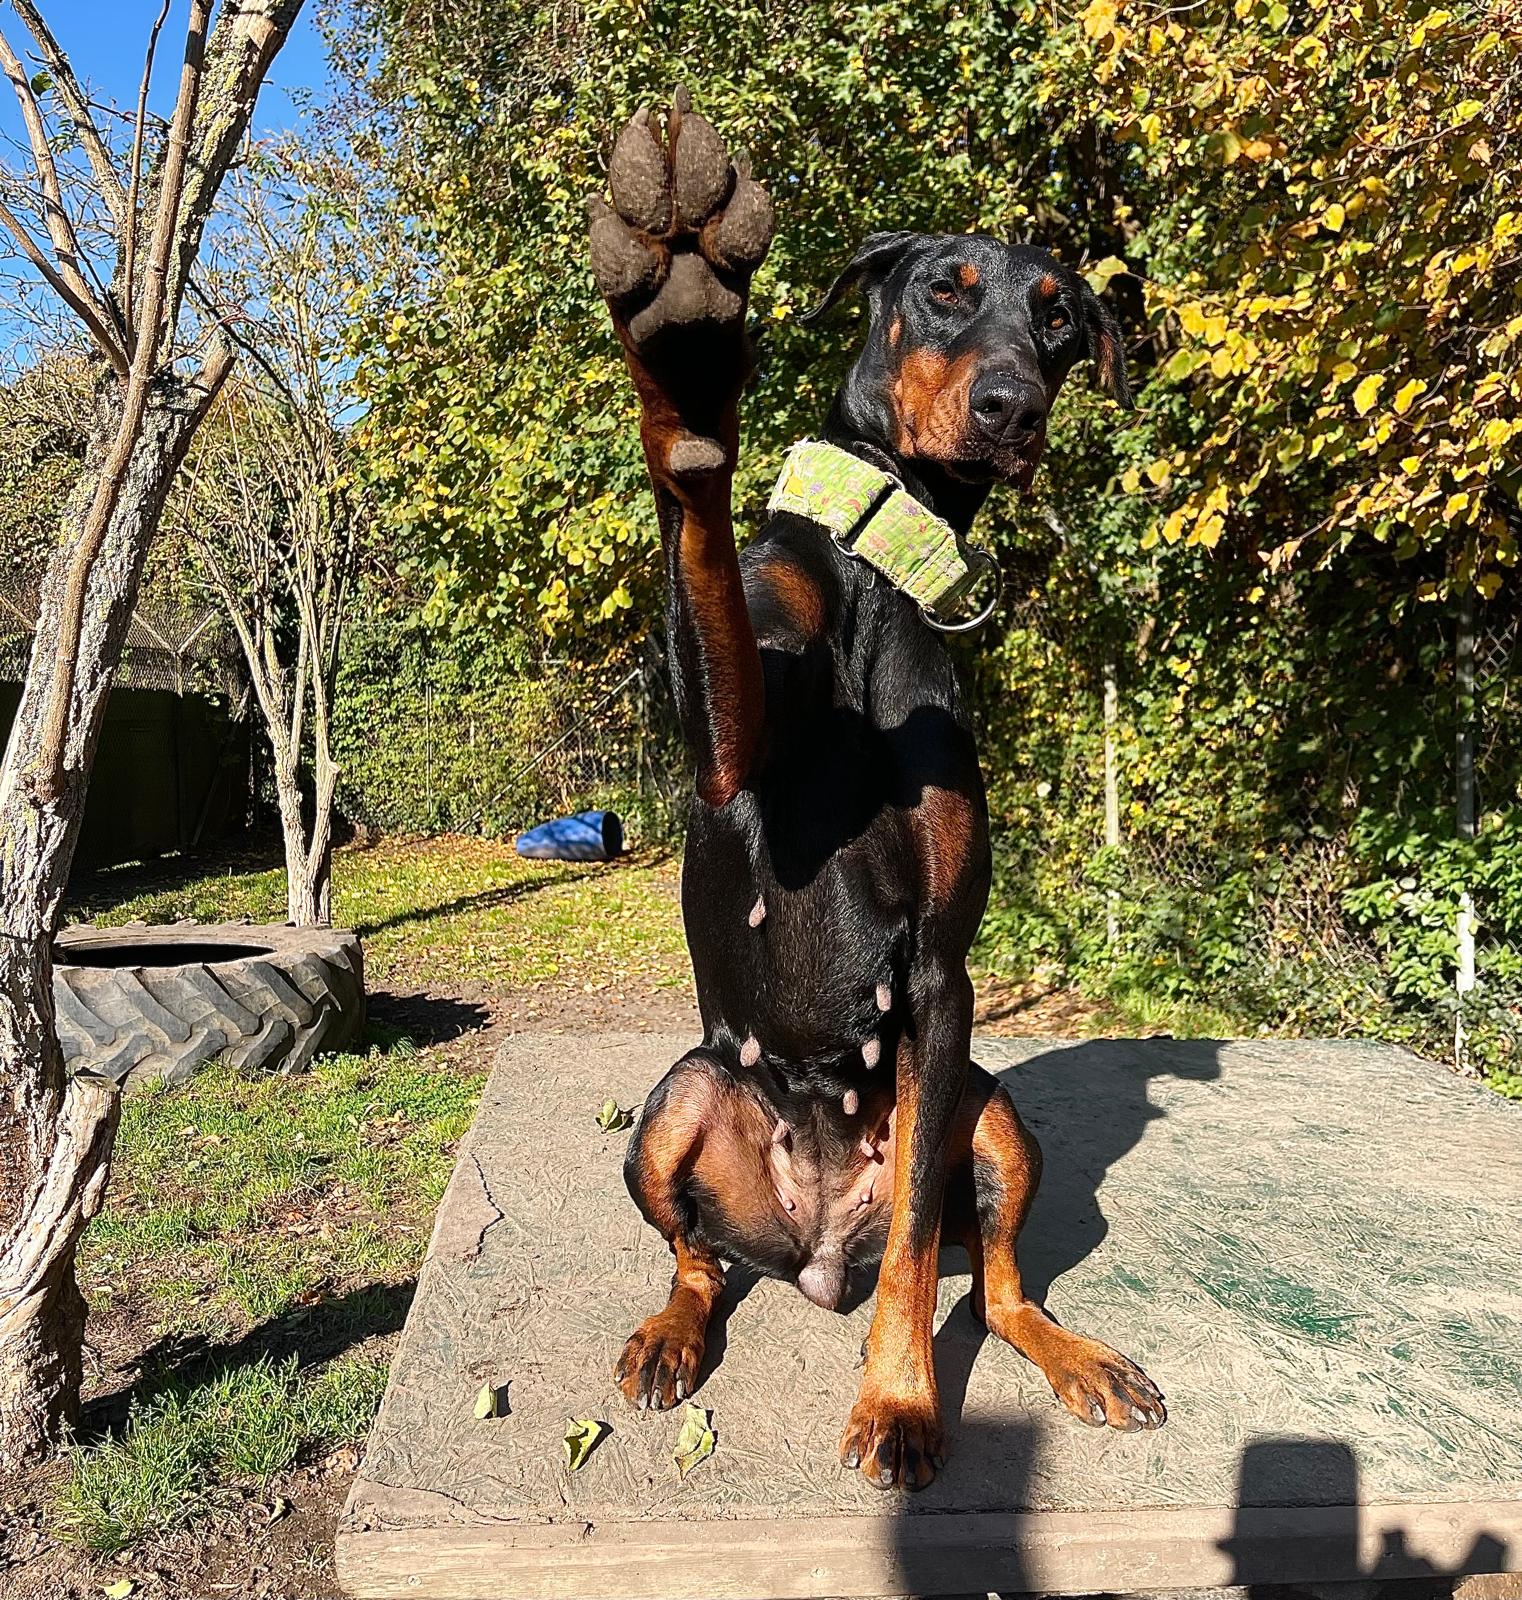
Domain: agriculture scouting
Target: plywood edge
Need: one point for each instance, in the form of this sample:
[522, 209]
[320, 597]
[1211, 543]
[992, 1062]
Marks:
[1061, 1552]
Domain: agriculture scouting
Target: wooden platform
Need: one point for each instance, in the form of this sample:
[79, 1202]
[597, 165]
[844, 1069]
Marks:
[1315, 1249]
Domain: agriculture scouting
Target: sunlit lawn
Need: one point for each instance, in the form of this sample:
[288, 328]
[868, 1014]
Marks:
[250, 1211]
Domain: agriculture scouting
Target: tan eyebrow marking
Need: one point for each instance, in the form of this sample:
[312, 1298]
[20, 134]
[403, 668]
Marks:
[1048, 284]
[967, 274]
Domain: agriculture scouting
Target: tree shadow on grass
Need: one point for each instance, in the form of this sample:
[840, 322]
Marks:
[313, 1334]
[484, 900]
[424, 1018]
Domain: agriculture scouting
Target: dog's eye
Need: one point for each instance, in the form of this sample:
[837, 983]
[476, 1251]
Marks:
[1057, 320]
[945, 292]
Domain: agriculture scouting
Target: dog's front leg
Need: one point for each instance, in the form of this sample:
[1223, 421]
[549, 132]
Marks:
[894, 1434]
[673, 257]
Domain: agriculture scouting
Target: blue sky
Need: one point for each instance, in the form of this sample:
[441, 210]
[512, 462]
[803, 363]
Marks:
[105, 40]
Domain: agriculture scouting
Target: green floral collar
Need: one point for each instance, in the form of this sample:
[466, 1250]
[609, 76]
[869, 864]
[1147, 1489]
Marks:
[872, 517]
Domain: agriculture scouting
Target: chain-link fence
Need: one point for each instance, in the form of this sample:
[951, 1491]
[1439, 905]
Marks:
[173, 646]
[430, 740]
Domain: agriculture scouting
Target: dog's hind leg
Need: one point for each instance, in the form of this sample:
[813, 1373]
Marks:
[697, 1168]
[673, 257]
[1097, 1384]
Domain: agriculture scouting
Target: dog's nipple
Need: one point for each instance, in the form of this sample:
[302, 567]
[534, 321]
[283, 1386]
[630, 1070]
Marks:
[884, 997]
[850, 1102]
[758, 912]
[750, 1051]
[871, 1050]
[780, 1132]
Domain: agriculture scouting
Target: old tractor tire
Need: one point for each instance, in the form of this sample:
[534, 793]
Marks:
[143, 1004]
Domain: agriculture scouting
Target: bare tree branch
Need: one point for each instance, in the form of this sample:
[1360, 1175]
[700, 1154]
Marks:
[60, 228]
[49, 779]
[129, 221]
[77, 106]
[81, 304]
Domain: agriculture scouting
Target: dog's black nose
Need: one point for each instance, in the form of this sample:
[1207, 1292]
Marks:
[1006, 406]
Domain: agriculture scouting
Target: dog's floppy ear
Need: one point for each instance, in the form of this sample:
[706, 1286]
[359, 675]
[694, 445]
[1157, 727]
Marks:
[1105, 347]
[878, 254]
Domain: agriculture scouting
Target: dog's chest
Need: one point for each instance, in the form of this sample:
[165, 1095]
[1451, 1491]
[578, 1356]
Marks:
[804, 963]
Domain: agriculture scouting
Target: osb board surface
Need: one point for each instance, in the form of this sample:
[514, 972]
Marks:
[1312, 1247]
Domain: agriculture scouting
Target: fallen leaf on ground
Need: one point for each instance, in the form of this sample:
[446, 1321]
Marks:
[613, 1119]
[119, 1590]
[696, 1440]
[582, 1437]
[492, 1401]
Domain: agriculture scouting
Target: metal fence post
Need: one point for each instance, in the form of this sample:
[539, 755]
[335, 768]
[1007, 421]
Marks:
[1464, 809]
[1112, 788]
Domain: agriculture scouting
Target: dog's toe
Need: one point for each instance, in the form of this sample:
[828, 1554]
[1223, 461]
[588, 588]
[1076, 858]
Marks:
[659, 1365]
[1103, 1389]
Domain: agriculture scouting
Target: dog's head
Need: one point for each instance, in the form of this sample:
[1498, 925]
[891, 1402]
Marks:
[968, 344]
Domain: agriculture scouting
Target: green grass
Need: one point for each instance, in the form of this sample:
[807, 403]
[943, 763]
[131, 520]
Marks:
[182, 1452]
[1127, 1009]
[260, 1209]
[443, 911]
[273, 1207]
[235, 1199]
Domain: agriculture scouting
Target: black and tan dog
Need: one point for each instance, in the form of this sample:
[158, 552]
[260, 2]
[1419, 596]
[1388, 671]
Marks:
[837, 860]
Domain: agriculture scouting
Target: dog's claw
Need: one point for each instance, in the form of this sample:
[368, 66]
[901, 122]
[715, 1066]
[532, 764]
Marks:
[1104, 1389]
[893, 1442]
[659, 1364]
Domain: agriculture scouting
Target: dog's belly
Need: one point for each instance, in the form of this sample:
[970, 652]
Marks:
[796, 1188]
[807, 965]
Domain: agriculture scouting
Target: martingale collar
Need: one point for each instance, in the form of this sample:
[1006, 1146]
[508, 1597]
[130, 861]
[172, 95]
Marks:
[872, 517]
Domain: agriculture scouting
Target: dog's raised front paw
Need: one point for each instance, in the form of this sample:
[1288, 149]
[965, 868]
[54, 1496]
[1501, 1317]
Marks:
[686, 229]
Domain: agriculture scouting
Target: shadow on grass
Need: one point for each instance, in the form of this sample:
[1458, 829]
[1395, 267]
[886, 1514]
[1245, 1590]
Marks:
[93, 889]
[485, 900]
[313, 1334]
[425, 1019]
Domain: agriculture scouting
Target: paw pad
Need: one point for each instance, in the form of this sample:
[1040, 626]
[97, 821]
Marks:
[685, 231]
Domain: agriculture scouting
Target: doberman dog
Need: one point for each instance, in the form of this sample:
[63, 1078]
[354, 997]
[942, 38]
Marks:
[837, 861]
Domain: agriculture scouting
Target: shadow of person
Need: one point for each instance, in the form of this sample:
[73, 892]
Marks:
[1089, 1106]
[1297, 1527]
[937, 1555]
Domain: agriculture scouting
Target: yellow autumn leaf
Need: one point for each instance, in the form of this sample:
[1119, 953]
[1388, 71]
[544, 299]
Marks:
[1098, 276]
[1099, 18]
[1367, 392]
[1408, 394]
[1333, 217]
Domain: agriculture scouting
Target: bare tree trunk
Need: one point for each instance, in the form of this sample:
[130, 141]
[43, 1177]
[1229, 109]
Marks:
[56, 1133]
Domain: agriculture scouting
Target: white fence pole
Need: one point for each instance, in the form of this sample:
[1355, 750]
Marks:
[1464, 809]
[1112, 789]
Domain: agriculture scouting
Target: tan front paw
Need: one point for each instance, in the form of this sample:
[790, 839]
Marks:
[894, 1439]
